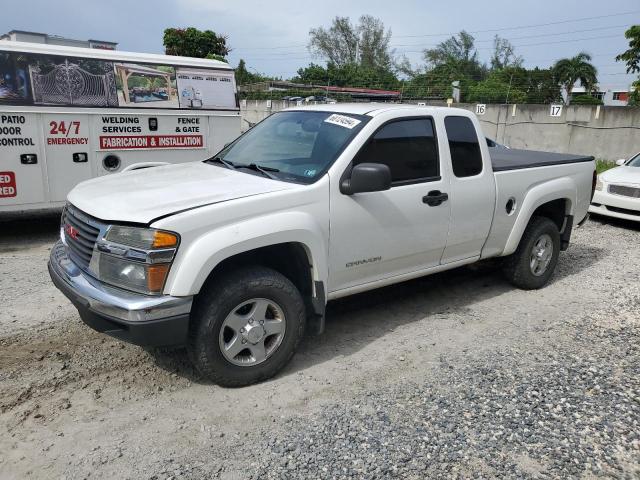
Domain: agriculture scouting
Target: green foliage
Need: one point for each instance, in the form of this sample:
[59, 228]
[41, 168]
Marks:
[568, 71]
[632, 58]
[632, 55]
[585, 100]
[504, 54]
[634, 96]
[343, 43]
[494, 90]
[603, 165]
[349, 75]
[244, 76]
[191, 42]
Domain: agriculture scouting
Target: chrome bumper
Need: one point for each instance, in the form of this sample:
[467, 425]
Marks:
[116, 303]
[138, 319]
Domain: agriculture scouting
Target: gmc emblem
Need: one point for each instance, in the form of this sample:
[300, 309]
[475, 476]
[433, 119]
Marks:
[71, 231]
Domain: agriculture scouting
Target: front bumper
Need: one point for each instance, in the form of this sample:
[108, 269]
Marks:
[618, 206]
[139, 319]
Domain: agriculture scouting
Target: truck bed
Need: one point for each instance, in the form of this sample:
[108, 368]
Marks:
[512, 159]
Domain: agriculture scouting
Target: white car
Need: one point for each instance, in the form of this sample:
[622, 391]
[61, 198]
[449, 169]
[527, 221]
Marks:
[618, 191]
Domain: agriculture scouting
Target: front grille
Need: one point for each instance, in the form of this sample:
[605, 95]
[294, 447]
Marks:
[81, 234]
[625, 191]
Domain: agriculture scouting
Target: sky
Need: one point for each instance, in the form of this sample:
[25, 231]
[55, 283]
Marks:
[272, 36]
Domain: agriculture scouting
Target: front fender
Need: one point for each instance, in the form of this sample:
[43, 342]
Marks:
[559, 188]
[193, 265]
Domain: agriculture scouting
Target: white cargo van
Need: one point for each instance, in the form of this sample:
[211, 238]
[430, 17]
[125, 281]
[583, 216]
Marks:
[70, 114]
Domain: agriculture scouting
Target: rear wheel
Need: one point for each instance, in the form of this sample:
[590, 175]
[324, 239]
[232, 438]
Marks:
[246, 326]
[534, 261]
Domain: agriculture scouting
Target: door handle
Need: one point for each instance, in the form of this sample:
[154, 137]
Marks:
[435, 198]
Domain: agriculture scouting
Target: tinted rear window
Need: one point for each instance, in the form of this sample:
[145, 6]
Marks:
[466, 158]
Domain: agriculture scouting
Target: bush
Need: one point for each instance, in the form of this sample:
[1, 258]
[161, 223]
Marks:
[586, 100]
[493, 90]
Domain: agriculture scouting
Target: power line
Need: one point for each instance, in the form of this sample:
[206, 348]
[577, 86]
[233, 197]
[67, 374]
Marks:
[275, 55]
[575, 20]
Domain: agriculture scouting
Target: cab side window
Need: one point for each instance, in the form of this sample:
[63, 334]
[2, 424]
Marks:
[466, 158]
[407, 147]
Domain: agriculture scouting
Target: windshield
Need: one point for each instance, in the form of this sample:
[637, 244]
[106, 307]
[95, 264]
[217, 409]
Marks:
[634, 162]
[294, 146]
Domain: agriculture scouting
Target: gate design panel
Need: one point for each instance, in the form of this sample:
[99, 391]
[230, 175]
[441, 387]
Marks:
[68, 84]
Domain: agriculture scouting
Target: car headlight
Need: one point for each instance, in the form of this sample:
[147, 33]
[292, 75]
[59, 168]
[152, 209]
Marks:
[133, 258]
[599, 184]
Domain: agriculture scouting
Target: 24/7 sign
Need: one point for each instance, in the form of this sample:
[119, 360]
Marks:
[7, 184]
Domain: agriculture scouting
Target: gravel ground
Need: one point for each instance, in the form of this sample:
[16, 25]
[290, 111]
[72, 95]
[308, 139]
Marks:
[457, 375]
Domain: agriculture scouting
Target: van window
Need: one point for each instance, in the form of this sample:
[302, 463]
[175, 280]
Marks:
[466, 158]
[407, 147]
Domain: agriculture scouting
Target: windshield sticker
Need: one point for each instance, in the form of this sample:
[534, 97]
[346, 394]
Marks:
[343, 121]
[309, 173]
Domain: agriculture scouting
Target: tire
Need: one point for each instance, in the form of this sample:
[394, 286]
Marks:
[218, 324]
[520, 268]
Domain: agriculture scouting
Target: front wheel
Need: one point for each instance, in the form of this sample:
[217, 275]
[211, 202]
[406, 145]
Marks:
[246, 326]
[534, 261]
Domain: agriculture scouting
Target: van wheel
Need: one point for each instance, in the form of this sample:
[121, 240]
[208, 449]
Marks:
[534, 261]
[246, 326]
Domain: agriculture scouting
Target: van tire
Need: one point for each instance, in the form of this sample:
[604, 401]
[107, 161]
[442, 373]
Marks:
[218, 301]
[518, 267]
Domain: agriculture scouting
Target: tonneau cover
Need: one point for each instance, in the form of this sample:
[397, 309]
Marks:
[512, 159]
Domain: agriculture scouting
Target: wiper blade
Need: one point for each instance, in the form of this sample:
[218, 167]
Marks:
[264, 170]
[222, 161]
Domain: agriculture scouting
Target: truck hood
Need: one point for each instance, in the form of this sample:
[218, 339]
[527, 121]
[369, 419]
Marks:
[623, 174]
[141, 196]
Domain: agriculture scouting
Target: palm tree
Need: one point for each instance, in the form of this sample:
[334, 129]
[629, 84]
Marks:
[569, 70]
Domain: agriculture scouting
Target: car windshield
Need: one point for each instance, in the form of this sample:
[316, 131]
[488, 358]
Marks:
[634, 162]
[295, 146]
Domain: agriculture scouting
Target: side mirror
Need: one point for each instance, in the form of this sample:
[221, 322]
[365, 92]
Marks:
[622, 161]
[367, 177]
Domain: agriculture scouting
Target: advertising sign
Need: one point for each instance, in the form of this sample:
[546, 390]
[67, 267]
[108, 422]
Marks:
[205, 89]
[149, 86]
[131, 132]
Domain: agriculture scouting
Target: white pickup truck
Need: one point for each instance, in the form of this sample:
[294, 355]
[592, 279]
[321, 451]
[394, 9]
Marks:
[236, 256]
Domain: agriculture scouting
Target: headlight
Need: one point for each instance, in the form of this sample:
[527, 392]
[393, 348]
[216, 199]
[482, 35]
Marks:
[133, 258]
[599, 184]
[145, 238]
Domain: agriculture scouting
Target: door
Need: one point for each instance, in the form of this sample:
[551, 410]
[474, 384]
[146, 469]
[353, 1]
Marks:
[472, 190]
[67, 149]
[381, 234]
[21, 161]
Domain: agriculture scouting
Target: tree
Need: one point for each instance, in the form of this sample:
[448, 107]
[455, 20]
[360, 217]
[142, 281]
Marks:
[458, 49]
[504, 54]
[455, 57]
[191, 42]
[632, 58]
[365, 44]
[244, 76]
[571, 70]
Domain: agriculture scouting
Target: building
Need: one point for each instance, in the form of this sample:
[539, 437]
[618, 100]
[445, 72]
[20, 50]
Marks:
[35, 37]
[611, 96]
